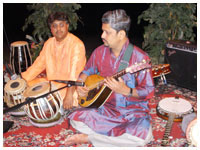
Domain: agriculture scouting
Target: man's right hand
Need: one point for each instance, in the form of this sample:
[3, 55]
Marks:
[82, 91]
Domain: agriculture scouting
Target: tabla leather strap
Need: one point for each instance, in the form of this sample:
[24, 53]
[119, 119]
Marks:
[127, 55]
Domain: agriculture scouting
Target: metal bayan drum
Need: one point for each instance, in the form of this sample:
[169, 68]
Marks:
[192, 133]
[45, 111]
[13, 95]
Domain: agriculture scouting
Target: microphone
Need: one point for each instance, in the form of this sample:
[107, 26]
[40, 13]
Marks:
[72, 83]
[12, 75]
[8, 69]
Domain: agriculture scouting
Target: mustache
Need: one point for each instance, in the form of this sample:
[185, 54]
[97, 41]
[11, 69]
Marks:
[104, 40]
[58, 32]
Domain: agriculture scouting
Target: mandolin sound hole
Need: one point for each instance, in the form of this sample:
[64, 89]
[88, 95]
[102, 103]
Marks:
[82, 101]
[92, 93]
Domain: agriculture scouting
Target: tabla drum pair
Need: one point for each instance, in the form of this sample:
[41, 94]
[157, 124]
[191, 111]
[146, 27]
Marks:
[43, 112]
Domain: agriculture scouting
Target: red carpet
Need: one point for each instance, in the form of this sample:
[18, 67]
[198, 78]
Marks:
[23, 134]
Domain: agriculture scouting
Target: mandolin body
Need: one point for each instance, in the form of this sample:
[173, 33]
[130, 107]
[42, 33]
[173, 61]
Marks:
[98, 93]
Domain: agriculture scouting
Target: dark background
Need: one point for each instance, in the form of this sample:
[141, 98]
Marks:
[14, 15]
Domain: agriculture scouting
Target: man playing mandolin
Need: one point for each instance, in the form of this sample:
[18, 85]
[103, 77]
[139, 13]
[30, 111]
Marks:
[123, 118]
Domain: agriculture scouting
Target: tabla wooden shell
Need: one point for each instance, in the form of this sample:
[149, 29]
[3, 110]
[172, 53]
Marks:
[13, 94]
[20, 58]
[45, 111]
[178, 106]
[192, 133]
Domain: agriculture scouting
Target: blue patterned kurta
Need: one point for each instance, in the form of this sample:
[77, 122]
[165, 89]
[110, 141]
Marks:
[120, 114]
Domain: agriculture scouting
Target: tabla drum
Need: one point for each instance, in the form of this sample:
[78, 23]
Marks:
[13, 95]
[20, 56]
[44, 111]
[173, 105]
[192, 133]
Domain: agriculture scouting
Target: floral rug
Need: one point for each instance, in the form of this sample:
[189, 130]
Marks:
[23, 134]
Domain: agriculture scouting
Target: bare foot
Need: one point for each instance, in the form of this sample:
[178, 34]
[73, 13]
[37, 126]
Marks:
[77, 139]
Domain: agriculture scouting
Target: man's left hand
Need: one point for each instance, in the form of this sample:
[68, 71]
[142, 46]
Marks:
[117, 86]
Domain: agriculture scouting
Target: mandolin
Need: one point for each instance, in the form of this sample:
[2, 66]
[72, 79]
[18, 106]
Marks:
[99, 93]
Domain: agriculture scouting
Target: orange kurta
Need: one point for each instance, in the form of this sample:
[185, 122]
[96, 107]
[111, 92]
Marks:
[62, 60]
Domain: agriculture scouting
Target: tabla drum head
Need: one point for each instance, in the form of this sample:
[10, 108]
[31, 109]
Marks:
[15, 86]
[37, 89]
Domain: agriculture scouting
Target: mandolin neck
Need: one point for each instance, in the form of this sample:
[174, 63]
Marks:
[119, 74]
[115, 76]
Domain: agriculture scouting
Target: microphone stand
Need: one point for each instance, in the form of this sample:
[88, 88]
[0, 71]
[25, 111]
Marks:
[32, 99]
[8, 124]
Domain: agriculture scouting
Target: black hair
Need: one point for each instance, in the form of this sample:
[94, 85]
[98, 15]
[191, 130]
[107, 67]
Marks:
[117, 19]
[57, 16]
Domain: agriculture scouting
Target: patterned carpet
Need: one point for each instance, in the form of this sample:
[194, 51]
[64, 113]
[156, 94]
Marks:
[23, 134]
[177, 137]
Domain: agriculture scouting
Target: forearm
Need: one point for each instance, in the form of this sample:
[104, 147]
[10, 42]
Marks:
[32, 72]
[143, 92]
[141, 86]
[130, 92]
[36, 68]
[145, 86]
